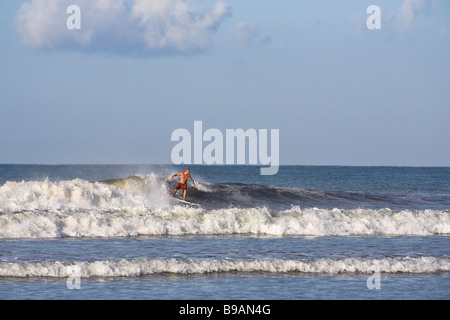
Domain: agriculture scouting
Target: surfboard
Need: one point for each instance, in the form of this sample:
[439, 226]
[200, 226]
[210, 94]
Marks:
[188, 203]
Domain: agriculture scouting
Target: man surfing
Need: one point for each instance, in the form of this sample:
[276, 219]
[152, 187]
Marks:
[183, 182]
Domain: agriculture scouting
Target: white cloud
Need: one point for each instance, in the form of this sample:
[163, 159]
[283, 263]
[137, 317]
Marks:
[399, 22]
[120, 26]
[172, 24]
[244, 31]
[408, 11]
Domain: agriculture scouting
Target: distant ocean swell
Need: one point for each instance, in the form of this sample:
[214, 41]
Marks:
[142, 205]
[140, 267]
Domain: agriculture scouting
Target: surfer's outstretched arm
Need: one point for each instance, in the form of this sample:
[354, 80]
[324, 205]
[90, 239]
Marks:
[192, 180]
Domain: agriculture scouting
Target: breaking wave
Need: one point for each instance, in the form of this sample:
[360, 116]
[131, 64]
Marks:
[141, 267]
[143, 206]
[188, 221]
[131, 192]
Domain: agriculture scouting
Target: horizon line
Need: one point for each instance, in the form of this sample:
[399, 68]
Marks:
[221, 165]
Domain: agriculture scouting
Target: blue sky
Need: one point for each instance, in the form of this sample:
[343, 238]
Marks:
[114, 91]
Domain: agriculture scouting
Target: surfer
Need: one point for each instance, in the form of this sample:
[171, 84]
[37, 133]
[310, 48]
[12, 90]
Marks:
[183, 182]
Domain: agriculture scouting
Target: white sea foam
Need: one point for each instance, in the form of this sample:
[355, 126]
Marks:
[132, 192]
[139, 267]
[184, 221]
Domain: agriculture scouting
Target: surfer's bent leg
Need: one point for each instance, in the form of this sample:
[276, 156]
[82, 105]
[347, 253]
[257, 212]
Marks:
[184, 188]
[176, 189]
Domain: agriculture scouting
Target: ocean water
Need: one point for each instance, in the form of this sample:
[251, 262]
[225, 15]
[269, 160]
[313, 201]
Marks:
[115, 232]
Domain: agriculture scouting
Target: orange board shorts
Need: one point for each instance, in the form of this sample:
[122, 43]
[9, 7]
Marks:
[181, 186]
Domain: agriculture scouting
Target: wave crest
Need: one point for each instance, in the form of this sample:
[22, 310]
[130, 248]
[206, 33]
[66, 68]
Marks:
[140, 267]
